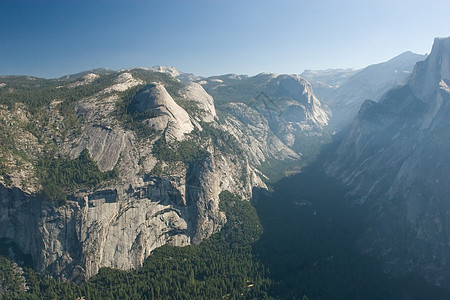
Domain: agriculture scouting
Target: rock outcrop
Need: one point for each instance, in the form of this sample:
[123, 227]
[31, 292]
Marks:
[194, 92]
[286, 103]
[253, 131]
[428, 74]
[172, 118]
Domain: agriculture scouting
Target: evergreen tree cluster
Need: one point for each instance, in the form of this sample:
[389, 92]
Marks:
[12, 283]
[60, 176]
[187, 151]
[35, 93]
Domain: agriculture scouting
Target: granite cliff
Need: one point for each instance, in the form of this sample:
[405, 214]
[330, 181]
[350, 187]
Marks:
[99, 169]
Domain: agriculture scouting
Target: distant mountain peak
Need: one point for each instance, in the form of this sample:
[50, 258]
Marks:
[175, 73]
[169, 70]
[428, 74]
[344, 90]
[442, 39]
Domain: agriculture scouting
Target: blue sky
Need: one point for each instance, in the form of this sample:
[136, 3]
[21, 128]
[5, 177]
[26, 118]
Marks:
[51, 38]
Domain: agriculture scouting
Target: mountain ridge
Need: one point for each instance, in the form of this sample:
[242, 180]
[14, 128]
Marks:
[394, 157]
[371, 83]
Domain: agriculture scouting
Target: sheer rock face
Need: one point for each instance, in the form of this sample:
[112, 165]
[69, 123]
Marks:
[303, 109]
[291, 98]
[396, 156]
[105, 145]
[107, 228]
[253, 131]
[285, 104]
[429, 73]
[118, 223]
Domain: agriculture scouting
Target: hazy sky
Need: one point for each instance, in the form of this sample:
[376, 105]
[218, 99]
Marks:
[51, 38]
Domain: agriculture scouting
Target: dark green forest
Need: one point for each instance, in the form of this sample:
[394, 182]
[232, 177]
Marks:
[61, 175]
[310, 246]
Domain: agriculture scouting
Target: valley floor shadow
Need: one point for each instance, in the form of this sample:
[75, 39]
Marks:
[309, 245]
